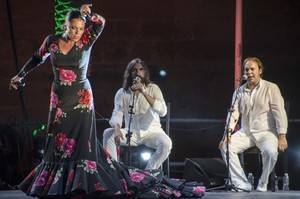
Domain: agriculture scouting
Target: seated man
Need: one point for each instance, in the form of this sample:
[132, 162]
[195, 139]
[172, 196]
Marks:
[263, 124]
[148, 107]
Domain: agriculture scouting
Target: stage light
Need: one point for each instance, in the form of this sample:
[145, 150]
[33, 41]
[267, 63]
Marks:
[41, 152]
[140, 155]
[294, 153]
[163, 73]
[145, 155]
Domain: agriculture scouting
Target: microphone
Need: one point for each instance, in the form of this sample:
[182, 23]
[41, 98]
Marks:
[21, 82]
[137, 79]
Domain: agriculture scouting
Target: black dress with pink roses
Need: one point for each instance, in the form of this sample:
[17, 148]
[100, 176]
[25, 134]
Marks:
[74, 160]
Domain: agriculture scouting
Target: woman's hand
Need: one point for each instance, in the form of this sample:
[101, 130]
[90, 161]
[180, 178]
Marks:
[15, 82]
[85, 9]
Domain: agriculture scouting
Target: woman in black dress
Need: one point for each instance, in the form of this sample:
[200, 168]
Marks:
[74, 160]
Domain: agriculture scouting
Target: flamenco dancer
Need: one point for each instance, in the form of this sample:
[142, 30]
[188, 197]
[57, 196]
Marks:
[74, 162]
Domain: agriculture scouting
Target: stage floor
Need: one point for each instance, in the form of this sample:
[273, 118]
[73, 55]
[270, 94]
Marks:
[209, 195]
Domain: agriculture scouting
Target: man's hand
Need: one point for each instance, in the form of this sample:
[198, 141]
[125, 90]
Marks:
[282, 142]
[118, 135]
[138, 87]
[223, 142]
[224, 139]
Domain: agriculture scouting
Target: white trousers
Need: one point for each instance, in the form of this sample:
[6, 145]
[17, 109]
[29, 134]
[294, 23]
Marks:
[159, 141]
[267, 143]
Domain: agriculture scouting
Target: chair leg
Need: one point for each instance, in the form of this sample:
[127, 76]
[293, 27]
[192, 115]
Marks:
[274, 181]
[242, 160]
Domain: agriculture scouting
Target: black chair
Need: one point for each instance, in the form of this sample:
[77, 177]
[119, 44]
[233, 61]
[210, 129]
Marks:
[137, 152]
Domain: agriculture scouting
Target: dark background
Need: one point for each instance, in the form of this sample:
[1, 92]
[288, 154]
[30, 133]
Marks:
[192, 40]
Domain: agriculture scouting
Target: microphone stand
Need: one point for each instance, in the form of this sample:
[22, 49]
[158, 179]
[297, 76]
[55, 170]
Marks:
[228, 186]
[129, 133]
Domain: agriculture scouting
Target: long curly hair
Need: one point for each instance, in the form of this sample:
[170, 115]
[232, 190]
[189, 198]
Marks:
[127, 77]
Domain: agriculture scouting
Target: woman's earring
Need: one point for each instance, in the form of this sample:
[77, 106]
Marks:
[64, 27]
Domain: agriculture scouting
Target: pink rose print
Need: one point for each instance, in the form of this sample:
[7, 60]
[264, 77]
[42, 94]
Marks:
[59, 114]
[64, 145]
[96, 19]
[60, 141]
[53, 99]
[89, 166]
[86, 36]
[42, 179]
[198, 189]
[66, 77]
[85, 99]
[136, 176]
[70, 146]
[53, 47]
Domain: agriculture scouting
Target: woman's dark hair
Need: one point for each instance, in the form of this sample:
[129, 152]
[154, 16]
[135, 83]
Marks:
[74, 14]
[127, 77]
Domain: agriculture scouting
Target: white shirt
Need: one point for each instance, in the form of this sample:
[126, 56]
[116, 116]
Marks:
[262, 109]
[146, 118]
